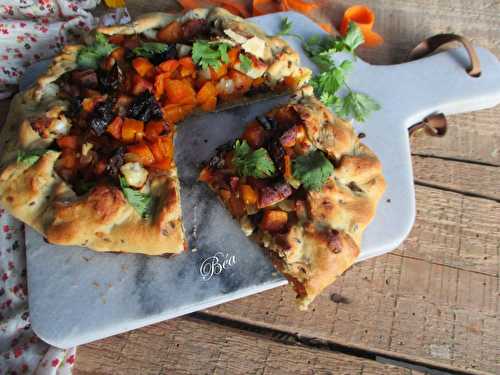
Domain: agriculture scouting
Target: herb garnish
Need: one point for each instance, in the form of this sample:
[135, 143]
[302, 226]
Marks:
[143, 203]
[89, 57]
[312, 170]
[29, 157]
[245, 63]
[150, 49]
[209, 55]
[332, 77]
[252, 163]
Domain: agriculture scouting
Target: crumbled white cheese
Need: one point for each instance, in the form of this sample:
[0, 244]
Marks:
[134, 174]
[255, 46]
[240, 39]
[60, 126]
[182, 49]
[86, 148]
[254, 72]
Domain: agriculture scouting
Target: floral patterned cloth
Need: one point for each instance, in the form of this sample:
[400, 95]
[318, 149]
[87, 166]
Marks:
[32, 30]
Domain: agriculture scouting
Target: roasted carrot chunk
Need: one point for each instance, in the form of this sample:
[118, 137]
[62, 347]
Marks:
[248, 195]
[68, 141]
[187, 66]
[233, 55]
[142, 66]
[173, 113]
[157, 150]
[169, 66]
[139, 85]
[254, 134]
[171, 33]
[154, 128]
[205, 175]
[274, 220]
[115, 128]
[143, 153]
[210, 104]
[206, 92]
[130, 129]
[179, 92]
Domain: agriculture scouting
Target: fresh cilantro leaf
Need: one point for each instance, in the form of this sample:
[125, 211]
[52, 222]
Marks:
[29, 157]
[252, 163]
[150, 49]
[327, 84]
[209, 55]
[354, 37]
[245, 63]
[89, 57]
[312, 170]
[286, 28]
[357, 105]
[143, 203]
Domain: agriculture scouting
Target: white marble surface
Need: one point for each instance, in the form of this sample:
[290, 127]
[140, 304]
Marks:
[77, 296]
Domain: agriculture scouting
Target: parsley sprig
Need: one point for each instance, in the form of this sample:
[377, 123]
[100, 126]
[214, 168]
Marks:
[312, 170]
[209, 54]
[150, 49]
[254, 163]
[89, 57]
[332, 76]
[143, 203]
[29, 157]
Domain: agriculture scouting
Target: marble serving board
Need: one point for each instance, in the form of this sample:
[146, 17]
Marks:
[77, 295]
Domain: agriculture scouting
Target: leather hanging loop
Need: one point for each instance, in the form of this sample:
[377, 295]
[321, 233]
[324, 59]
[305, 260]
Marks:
[431, 44]
[434, 125]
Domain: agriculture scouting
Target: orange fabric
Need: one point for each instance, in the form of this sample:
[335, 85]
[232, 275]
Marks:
[364, 17]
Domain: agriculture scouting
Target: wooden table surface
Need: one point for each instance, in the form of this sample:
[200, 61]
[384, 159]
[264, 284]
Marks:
[430, 304]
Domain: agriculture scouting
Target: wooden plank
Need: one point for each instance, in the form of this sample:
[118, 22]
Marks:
[455, 230]
[405, 307]
[475, 179]
[190, 346]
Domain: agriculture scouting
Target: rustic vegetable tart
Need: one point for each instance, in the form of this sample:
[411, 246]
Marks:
[302, 185]
[87, 152]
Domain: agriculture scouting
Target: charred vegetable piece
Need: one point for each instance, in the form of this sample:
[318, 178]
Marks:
[85, 78]
[101, 116]
[115, 162]
[274, 220]
[74, 108]
[145, 108]
[270, 195]
[168, 54]
[110, 81]
[268, 123]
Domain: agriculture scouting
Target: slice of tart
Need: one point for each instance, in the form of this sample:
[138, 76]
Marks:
[302, 185]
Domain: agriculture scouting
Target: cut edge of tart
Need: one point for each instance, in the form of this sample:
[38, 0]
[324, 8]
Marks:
[301, 185]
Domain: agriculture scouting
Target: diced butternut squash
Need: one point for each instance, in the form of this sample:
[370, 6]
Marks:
[291, 82]
[142, 66]
[139, 85]
[242, 82]
[254, 134]
[171, 33]
[218, 73]
[206, 92]
[68, 141]
[173, 113]
[143, 153]
[179, 92]
[130, 129]
[187, 67]
[233, 55]
[274, 220]
[210, 104]
[157, 150]
[248, 195]
[169, 67]
[163, 165]
[154, 128]
[115, 128]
